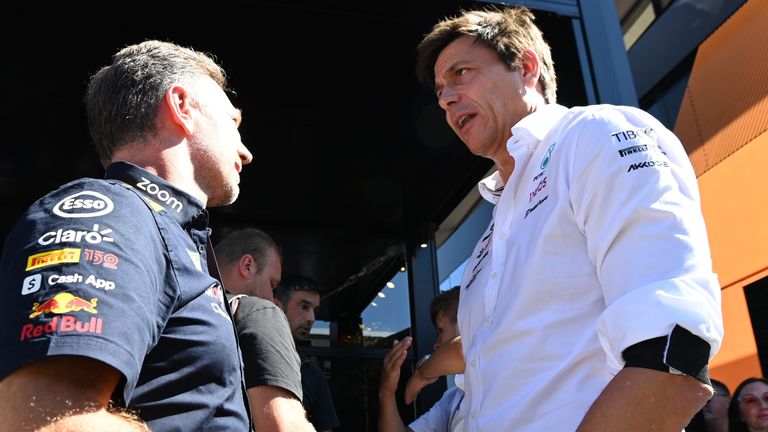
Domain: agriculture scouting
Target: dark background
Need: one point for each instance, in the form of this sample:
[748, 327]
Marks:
[353, 160]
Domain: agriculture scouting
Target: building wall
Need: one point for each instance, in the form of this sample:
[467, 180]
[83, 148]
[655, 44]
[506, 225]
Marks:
[722, 123]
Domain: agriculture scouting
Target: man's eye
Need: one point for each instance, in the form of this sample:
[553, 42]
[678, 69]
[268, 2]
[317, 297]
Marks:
[461, 71]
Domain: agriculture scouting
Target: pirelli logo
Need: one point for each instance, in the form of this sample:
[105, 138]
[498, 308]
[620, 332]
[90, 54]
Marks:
[59, 256]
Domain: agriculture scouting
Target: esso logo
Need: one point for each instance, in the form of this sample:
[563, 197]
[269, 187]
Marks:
[84, 205]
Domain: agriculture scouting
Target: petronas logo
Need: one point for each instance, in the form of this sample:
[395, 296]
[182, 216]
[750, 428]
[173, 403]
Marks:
[547, 157]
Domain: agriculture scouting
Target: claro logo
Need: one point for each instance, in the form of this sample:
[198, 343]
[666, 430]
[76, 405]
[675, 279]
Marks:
[95, 236]
[83, 205]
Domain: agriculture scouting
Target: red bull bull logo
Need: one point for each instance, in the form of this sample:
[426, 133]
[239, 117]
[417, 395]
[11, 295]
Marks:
[63, 303]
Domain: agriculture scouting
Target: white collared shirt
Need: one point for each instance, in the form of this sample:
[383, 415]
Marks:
[597, 242]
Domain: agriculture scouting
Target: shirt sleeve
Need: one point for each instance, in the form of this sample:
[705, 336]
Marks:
[437, 418]
[635, 197]
[85, 272]
[269, 353]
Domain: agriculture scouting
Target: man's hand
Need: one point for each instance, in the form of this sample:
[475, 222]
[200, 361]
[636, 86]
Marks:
[389, 417]
[416, 382]
[390, 371]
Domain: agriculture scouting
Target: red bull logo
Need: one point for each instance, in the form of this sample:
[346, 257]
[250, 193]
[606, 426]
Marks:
[63, 303]
[62, 324]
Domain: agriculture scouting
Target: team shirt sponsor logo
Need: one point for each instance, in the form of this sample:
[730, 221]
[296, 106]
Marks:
[97, 257]
[542, 184]
[632, 134]
[535, 206]
[62, 303]
[485, 244]
[58, 256]
[84, 205]
[62, 324]
[95, 236]
[106, 285]
[217, 292]
[547, 157]
[31, 284]
[195, 257]
[640, 149]
[161, 194]
[647, 164]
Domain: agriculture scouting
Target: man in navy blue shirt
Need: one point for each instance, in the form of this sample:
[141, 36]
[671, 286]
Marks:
[111, 318]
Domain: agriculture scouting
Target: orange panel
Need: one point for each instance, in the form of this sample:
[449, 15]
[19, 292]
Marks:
[725, 104]
[722, 123]
[734, 201]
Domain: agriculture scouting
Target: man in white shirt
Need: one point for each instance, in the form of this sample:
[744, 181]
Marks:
[589, 304]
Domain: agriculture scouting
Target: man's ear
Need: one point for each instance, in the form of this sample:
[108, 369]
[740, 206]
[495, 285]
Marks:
[246, 266]
[178, 100]
[530, 67]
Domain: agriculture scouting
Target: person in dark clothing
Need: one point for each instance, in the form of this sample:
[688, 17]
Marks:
[299, 299]
[251, 268]
[109, 306]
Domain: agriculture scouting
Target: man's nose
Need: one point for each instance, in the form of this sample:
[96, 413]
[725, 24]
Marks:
[448, 96]
[245, 155]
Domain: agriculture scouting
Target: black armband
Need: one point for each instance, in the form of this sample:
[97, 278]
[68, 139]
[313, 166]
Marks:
[682, 353]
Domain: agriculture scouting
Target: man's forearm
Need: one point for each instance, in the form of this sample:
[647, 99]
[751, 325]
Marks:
[446, 360]
[276, 409]
[389, 416]
[640, 400]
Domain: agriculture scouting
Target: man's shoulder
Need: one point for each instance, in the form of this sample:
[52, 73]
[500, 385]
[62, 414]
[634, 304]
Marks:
[88, 198]
[251, 304]
[607, 114]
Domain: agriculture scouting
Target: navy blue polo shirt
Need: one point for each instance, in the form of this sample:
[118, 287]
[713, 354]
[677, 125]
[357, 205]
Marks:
[115, 269]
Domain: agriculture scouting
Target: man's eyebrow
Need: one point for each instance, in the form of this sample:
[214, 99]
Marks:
[455, 65]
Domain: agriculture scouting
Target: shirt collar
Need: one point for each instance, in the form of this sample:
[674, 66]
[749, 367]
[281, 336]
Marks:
[531, 129]
[527, 134]
[161, 195]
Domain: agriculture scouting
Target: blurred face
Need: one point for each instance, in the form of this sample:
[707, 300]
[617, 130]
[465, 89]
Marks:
[263, 283]
[715, 412]
[300, 311]
[217, 154]
[446, 330]
[481, 96]
[753, 405]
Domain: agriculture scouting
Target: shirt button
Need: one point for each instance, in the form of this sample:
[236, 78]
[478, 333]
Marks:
[474, 414]
[487, 318]
[493, 276]
[474, 362]
[502, 236]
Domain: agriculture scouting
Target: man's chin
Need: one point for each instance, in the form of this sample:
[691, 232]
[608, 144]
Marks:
[227, 197]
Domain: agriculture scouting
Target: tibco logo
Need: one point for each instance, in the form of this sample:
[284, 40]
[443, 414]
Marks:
[90, 204]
